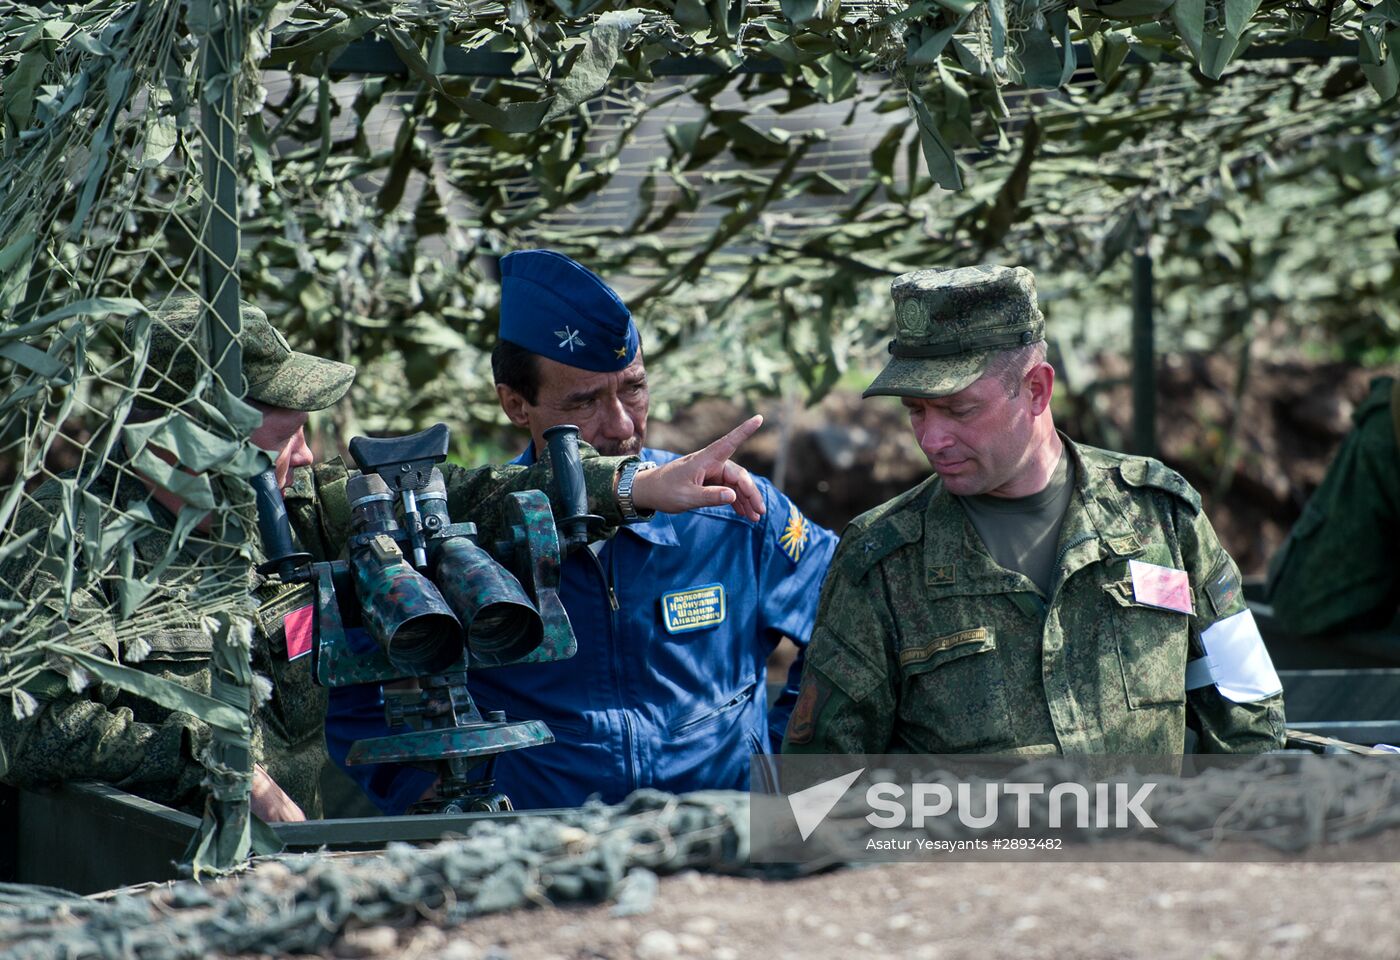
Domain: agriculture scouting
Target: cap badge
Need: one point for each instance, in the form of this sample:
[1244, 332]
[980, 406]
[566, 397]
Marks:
[912, 319]
[569, 338]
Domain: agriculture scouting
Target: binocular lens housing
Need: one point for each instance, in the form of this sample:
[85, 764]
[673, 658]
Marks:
[402, 609]
[502, 623]
[426, 644]
[406, 614]
[419, 622]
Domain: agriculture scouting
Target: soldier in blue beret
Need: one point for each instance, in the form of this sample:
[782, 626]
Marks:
[676, 618]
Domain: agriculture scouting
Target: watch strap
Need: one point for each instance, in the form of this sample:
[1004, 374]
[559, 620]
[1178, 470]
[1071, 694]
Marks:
[624, 490]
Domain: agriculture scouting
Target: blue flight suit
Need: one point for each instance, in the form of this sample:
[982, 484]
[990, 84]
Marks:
[641, 705]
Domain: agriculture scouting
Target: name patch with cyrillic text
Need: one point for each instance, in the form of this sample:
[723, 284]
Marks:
[693, 609]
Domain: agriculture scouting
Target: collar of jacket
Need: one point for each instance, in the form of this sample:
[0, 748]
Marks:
[659, 531]
[1096, 527]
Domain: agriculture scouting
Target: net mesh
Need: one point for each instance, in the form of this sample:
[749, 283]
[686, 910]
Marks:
[752, 200]
[126, 514]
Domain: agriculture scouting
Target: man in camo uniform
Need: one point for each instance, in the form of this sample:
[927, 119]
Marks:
[1035, 595]
[102, 733]
[1339, 569]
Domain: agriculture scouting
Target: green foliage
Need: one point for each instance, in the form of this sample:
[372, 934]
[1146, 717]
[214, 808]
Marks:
[374, 203]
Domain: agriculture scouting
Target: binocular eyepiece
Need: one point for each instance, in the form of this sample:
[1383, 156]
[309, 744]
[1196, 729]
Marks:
[417, 620]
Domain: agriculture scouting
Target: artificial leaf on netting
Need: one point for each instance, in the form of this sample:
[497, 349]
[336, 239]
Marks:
[1189, 16]
[1238, 14]
[1040, 61]
[591, 69]
[325, 40]
[1134, 9]
[1108, 49]
[933, 44]
[942, 163]
[803, 12]
[194, 489]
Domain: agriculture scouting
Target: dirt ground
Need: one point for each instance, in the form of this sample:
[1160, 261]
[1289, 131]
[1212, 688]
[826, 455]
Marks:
[952, 911]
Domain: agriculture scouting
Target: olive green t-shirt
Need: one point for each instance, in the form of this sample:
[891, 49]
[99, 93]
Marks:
[1021, 533]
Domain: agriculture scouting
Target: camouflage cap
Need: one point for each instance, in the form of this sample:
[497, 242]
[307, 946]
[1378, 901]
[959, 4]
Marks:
[950, 323]
[275, 374]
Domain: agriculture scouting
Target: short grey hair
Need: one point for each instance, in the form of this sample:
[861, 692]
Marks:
[1011, 366]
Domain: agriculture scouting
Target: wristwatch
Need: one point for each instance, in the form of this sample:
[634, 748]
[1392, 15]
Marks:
[624, 490]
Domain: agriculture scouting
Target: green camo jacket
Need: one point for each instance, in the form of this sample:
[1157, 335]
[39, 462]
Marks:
[1339, 569]
[924, 644]
[106, 734]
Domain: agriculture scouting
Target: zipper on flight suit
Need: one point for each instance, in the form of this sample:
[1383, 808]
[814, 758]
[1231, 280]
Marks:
[607, 575]
[629, 735]
[613, 605]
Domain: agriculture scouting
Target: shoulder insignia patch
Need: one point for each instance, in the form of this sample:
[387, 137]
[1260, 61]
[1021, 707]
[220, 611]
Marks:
[943, 576]
[1223, 587]
[1124, 546]
[795, 535]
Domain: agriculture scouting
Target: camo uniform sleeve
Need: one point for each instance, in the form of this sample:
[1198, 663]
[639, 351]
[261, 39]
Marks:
[315, 499]
[77, 737]
[847, 701]
[82, 735]
[1242, 710]
[478, 496]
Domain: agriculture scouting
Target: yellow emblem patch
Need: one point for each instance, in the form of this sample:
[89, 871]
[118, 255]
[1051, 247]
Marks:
[795, 535]
[693, 609]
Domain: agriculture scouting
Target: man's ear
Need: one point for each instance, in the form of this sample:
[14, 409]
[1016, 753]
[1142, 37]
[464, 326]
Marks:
[514, 405]
[1041, 383]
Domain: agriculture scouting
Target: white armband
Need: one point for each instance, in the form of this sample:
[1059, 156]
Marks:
[1236, 661]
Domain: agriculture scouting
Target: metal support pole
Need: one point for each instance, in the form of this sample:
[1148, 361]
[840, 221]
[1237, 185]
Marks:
[219, 253]
[226, 836]
[1144, 359]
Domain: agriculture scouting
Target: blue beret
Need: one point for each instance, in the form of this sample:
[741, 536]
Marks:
[560, 309]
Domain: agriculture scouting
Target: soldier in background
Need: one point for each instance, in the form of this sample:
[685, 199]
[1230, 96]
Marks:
[101, 733]
[1339, 569]
[1036, 595]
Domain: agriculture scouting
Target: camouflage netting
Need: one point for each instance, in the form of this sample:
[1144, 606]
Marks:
[784, 197]
[117, 199]
[750, 174]
[305, 903]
